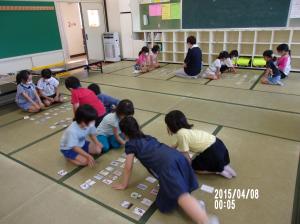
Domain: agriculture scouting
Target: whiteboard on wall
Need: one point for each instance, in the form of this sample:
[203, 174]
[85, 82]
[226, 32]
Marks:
[295, 9]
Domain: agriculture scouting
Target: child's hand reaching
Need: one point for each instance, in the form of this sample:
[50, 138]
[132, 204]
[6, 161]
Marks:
[119, 186]
[91, 161]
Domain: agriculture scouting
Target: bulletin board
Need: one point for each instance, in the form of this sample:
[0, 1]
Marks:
[160, 14]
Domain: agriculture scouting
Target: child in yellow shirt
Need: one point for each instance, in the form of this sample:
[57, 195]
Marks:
[211, 153]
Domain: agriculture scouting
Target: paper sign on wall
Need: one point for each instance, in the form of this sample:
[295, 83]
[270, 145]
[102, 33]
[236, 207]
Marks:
[175, 11]
[166, 11]
[155, 10]
[295, 9]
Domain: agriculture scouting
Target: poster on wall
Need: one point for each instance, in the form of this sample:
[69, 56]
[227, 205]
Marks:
[295, 9]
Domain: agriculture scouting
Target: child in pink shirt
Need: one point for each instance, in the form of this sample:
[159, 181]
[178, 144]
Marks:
[284, 62]
[143, 61]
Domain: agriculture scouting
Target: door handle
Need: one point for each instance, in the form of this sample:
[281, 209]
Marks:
[86, 36]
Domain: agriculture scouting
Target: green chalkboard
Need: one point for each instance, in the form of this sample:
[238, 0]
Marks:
[28, 32]
[234, 13]
[156, 22]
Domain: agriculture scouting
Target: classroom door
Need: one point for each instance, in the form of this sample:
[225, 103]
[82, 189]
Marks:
[94, 27]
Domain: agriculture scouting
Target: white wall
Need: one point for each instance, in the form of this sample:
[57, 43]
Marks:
[113, 16]
[70, 18]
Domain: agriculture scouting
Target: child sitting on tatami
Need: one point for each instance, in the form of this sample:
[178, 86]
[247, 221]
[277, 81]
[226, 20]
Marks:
[227, 65]
[74, 145]
[109, 102]
[214, 70]
[142, 63]
[154, 57]
[173, 171]
[284, 62]
[272, 74]
[81, 96]
[108, 131]
[211, 153]
[27, 97]
[47, 87]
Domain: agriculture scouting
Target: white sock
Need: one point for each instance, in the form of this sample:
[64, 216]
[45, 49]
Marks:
[229, 169]
[226, 174]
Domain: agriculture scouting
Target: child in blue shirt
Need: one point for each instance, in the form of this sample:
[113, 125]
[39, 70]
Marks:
[73, 144]
[173, 171]
[109, 102]
[108, 131]
[272, 74]
[27, 97]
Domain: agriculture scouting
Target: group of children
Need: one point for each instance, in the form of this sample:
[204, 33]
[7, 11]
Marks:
[171, 165]
[147, 61]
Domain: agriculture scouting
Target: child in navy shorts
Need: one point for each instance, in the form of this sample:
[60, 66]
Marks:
[74, 145]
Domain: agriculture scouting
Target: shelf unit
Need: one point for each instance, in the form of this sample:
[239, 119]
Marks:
[249, 42]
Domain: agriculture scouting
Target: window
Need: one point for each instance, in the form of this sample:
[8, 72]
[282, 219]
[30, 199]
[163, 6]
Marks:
[93, 17]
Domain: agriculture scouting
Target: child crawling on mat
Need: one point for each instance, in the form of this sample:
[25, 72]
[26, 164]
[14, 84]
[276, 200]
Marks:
[211, 153]
[173, 171]
[74, 145]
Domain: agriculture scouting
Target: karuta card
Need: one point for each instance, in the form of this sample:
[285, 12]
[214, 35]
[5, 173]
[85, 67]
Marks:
[84, 186]
[138, 211]
[151, 179]
[121, 160]
[52, 127]
[98, 177]
[118, 173]
[114, 178]
[154, 191]
[135, 195]
[126, 204]
[147, 202]
[62, 173]
[142, 186]
[207, 188]
[109, 168]
[26, 117]
[123, 165]
[107, 181]
[104, 172]
[114, 163]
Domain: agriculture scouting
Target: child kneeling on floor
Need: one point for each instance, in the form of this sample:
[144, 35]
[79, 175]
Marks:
[48, 88]
[173, 171]
[110, 103]
[213, 72]
[211, 153]
[74, 145]
[108, 131]
[272, 75]
[27, 97]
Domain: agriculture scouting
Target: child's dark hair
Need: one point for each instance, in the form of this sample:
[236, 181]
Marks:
[95, 88]
[72, 82]
[268, 53]
[86, 114]
[223, 55]
[233, 54]
[125, 108]
[284, 47]
[130, 127]
[155, 49]
[191, 40]
[144, 50]
[22, 76]
[176, 120]
[46, 73]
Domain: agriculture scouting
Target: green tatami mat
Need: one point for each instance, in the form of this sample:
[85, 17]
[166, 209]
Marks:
[212, 93]
[247, 118]
[261, 163]
[165, 72]
[57, 204]
[18, 185]
[244, 79]
[117, 66]
[23, 132]
[185, 80]
[158, 129]
[125, 72]
[46, 157]
[291, 85]
[108, 196]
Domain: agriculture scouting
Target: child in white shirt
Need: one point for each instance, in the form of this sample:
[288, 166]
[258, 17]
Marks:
[227, 65]
[213, 71]
[47, 87]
